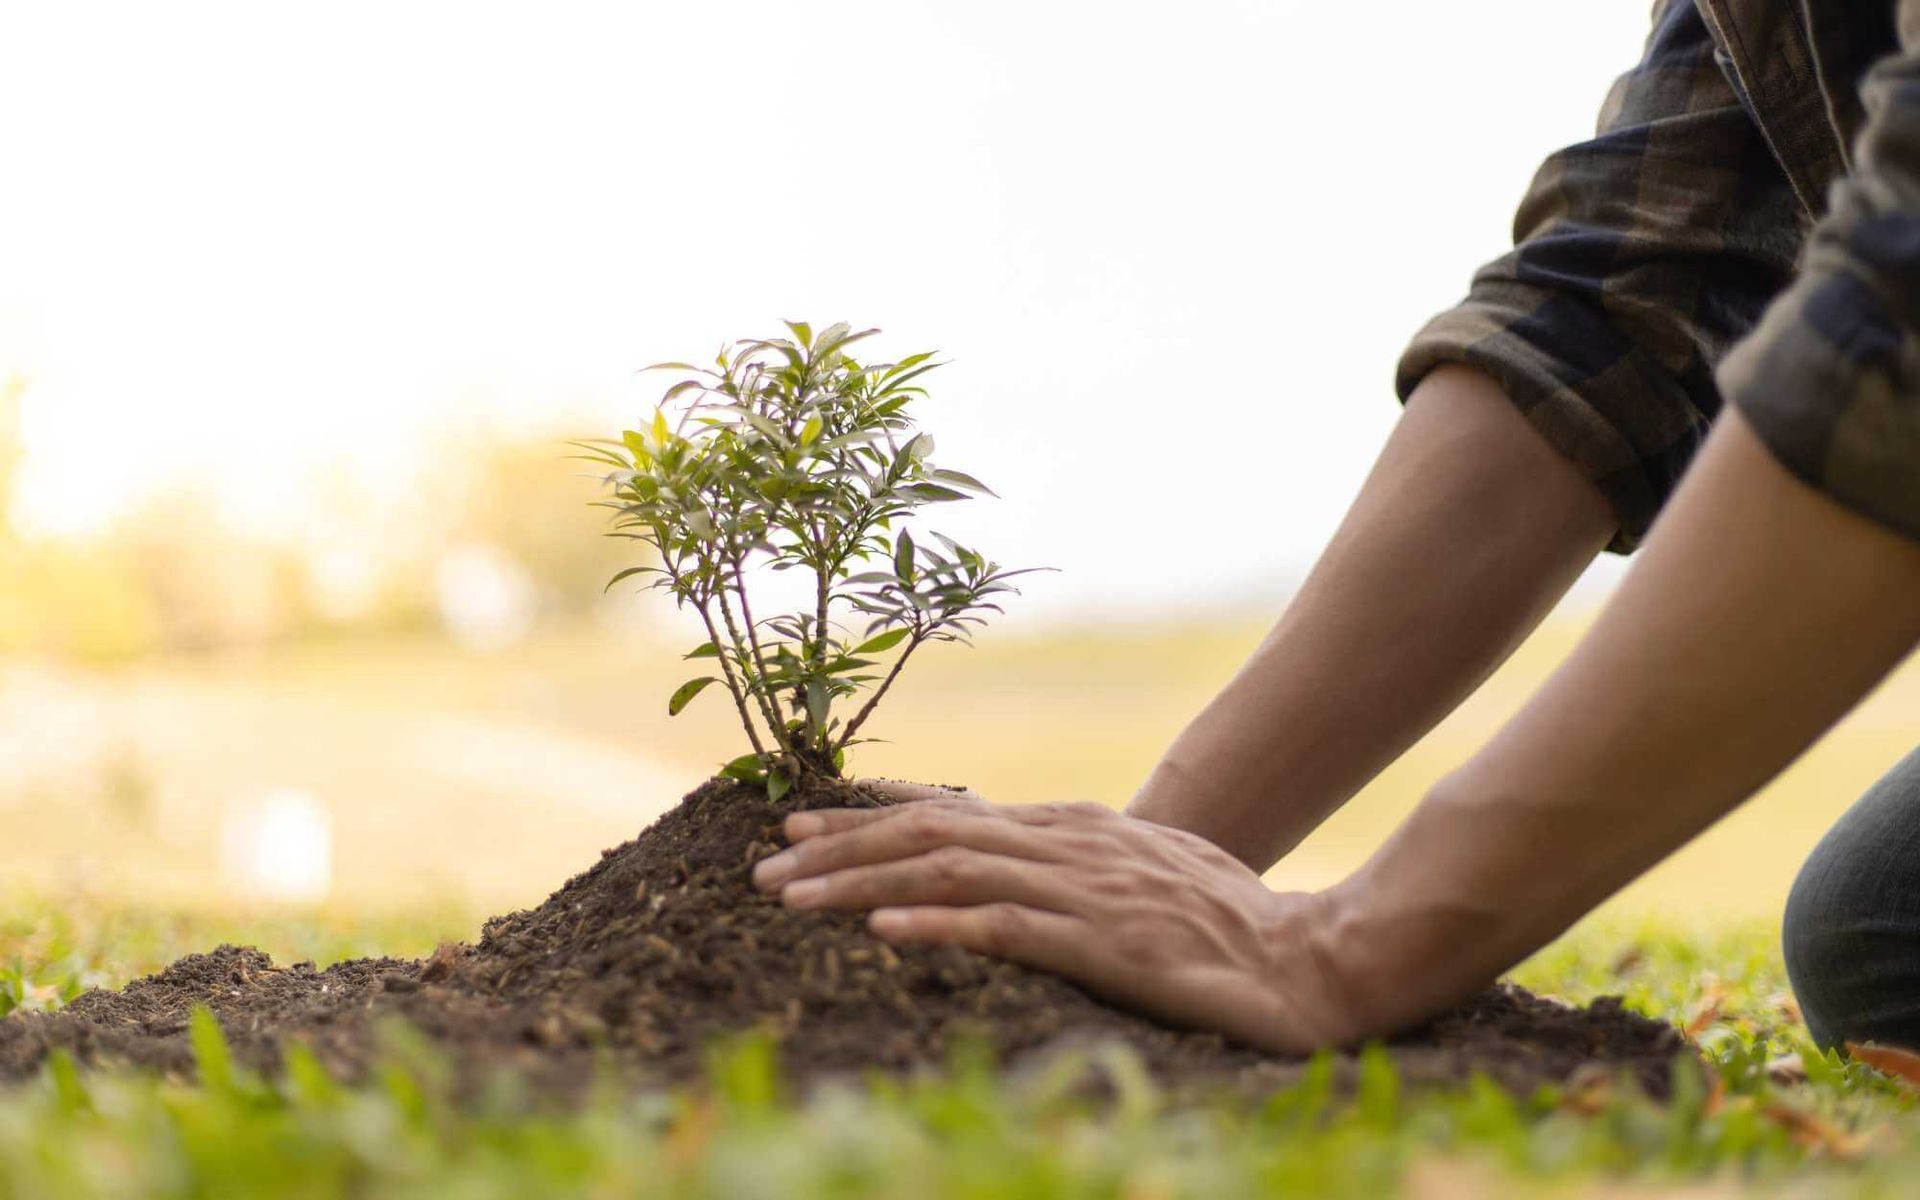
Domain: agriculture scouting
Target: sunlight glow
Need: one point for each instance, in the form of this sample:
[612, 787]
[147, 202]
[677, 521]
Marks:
[1171, 250]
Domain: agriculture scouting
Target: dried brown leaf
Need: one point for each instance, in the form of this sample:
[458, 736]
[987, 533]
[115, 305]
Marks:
[1903, 1065]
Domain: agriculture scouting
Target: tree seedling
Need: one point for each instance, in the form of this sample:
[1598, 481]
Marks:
[790, 455]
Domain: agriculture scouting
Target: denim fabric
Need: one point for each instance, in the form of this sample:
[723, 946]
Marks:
[1852, 929]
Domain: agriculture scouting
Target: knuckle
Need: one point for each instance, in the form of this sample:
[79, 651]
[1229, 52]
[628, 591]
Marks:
[1001, 927]
[950, 864]
[1113, 883]
[1139, 943]
[925, 824]
[1057, 813]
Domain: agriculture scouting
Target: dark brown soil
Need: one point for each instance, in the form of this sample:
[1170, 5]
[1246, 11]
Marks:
[641, 961]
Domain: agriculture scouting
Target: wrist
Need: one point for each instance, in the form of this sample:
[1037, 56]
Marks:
[1318, 984]
[1419, 927]
[1240, 810]
[1167, 793]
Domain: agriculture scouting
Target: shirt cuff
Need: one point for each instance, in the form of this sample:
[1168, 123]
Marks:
[1603, 403]
[1830, 382]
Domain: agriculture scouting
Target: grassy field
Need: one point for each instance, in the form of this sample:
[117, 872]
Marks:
[1842, 1131]
[480, 782]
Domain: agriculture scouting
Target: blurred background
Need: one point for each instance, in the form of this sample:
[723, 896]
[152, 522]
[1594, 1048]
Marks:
[300, 600]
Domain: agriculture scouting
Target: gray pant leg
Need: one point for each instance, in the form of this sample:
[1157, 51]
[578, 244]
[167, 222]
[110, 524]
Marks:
[1852, 928]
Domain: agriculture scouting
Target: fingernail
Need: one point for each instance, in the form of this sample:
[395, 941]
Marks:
[887, 922]
[803, 892]
[770, 872]
[804, 825]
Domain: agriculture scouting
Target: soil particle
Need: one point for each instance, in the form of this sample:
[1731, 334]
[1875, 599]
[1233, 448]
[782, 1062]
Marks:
[661, 946]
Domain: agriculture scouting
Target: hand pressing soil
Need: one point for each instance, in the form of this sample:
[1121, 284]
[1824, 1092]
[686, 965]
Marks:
[663, 945]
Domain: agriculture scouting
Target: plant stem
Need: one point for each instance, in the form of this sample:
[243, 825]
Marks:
[822, 578]
[739, 694]
[752, 643]
[860, 717]
[672, 567]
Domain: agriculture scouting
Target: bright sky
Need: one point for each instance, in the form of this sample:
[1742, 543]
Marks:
[1172, 250]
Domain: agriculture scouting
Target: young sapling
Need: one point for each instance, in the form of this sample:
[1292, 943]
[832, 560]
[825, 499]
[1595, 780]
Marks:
[790, 455]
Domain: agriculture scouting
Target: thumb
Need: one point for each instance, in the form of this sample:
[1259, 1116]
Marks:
[902, 792]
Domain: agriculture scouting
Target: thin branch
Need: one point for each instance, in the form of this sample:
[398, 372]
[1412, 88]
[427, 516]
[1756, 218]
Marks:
[760, 692]
[739, 695]
[860, 717]
[734, 688]
[726, 668]
[823, 584]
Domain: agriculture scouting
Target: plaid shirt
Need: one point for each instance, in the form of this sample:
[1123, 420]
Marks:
[1745, 223]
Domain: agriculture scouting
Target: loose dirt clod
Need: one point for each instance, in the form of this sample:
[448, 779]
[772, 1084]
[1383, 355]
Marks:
[661, 946]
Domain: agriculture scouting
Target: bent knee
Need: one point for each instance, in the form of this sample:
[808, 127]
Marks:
[1818, 940]
[1851, 934]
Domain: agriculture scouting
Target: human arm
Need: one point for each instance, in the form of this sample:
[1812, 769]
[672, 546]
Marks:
[1466, 532]
[1758, 613]
[1641, 255]
[1783, 583]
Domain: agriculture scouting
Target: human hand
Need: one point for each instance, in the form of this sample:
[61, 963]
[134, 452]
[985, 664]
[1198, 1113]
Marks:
[1148, 916]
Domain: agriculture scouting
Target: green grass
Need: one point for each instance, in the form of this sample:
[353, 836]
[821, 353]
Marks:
[973, 1133]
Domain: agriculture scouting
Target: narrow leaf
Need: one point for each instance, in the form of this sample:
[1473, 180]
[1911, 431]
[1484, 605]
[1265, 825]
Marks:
[963, 479]
[629, 573]
[885, 641]
[684, 694]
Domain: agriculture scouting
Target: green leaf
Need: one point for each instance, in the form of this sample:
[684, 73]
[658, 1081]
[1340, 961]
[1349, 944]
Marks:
[885, 641]
[964, 480]
[629, 573]
[767, 429]
[830, 337]
[810, 431]
[703, 650]
[817, 701]
[747, 769]
[903, 556]
[684, 694]
[932, 491]
[210, 1053]
[778, 785]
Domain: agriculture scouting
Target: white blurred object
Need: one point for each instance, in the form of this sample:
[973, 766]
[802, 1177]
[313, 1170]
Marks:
[486, 599]
[343, 581]
[278, 847]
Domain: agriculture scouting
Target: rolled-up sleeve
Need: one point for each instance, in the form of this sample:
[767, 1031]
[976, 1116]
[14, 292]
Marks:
[1830, 380]
[1641, 257]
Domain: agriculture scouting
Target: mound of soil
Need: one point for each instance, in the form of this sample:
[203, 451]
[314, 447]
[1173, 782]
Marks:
[640, 961]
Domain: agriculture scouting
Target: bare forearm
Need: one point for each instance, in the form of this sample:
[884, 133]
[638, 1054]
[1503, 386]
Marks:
[1467, 531]
[1760, 611]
